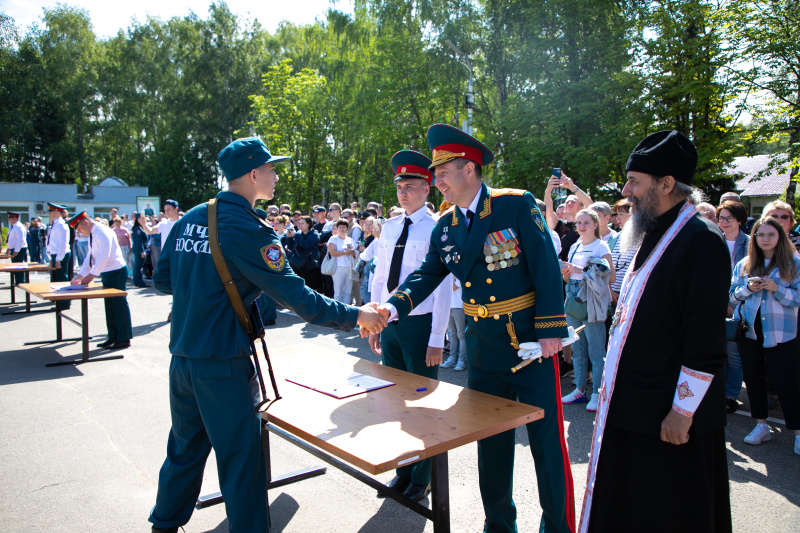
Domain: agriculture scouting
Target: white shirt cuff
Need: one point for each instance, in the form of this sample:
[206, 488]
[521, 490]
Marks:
[392, 312]
[436, 341]
[692, 387]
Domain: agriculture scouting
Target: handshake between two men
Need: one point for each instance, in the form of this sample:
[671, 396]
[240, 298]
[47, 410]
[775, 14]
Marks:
[372, 319]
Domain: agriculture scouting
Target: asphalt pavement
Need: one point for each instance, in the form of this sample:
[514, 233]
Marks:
[81, 446]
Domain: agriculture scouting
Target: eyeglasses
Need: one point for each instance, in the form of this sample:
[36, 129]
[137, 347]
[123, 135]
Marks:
[726, 219]
[766, 236]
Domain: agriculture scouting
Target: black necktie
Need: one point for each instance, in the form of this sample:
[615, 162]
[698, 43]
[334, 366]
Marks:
[90, 251]
[397, 258]
[470, 214]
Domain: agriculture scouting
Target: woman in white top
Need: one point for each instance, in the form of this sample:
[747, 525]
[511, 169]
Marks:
[593, 339]
[342, 248]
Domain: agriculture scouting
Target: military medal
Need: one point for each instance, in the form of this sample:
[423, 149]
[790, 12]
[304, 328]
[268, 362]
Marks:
[444, 237]
[447, 259]
[448, 248]
[490, 266]
[456, 257]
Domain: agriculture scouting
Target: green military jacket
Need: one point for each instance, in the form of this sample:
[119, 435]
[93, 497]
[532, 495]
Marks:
[204, 324]
[508, 220]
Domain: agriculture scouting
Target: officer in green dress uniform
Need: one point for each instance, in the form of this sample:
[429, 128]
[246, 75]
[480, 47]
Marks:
[496, 244]
[211, 374]
[415, 344]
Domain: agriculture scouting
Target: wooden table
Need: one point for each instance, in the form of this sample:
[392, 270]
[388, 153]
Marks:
[382, 429]
[45, 291]
[26, 268]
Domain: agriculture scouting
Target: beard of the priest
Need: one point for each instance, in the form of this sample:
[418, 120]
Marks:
[643, 219]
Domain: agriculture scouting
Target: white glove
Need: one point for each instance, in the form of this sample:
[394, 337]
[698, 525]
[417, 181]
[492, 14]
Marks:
[532, 350]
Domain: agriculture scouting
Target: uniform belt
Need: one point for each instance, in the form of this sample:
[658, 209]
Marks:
[501, 308]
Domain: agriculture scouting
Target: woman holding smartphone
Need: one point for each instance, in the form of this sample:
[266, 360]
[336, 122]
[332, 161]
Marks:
[342, 248]
[592, 341]
[768, 282]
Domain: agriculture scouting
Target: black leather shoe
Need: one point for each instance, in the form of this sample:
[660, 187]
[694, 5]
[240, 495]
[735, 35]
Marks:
[416, 492]
[168, 530]
[119, 345]
[731, 405]
[399, 484]
[270, 323]
[106, 344]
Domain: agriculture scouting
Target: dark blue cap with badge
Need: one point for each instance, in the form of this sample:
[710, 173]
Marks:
[408, 164]
[243, 155]
[450, 143]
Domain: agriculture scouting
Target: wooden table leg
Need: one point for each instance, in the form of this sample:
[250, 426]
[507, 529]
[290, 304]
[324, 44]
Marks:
[58, 321]
[440, 493]
[84, 338]
[85, 327]
[27, 294]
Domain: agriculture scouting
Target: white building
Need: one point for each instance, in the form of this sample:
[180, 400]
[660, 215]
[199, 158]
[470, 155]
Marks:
[30, 199]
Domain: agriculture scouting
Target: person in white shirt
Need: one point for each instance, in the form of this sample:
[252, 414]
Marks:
[105, 260]
[17, 245]
[334, 213]
[162, 228]
[415, 343]
[592, 343]
[343, 249]
[58, 248]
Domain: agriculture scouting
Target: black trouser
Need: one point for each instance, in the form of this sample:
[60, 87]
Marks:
[783, 367]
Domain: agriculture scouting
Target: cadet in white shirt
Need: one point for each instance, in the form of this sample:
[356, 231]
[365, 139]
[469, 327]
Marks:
[58, 248]
[105, 260]
[17, 244]
[415, 344]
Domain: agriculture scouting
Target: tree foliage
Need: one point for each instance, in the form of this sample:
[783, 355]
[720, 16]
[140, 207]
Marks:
[571, 84]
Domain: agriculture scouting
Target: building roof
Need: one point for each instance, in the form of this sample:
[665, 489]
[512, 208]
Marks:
[112, 181]
[755, 177]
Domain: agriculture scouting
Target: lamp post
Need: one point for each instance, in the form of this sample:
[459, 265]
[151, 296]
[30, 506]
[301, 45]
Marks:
[469, 102]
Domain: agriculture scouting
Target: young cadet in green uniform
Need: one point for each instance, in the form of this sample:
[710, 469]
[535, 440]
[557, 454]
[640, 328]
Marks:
[210, 374]
[415, 344]
[496, 244]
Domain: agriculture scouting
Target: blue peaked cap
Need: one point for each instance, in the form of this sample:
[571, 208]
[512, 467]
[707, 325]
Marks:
[243, 155]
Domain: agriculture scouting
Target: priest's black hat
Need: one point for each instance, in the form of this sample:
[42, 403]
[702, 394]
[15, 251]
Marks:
[666, 153]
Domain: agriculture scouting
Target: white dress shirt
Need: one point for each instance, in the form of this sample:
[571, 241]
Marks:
[419, 237]
[58, 239]
[105, 254]
[164, 227]
[17, 237]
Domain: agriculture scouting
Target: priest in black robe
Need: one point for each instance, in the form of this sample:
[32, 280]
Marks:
[662, 464]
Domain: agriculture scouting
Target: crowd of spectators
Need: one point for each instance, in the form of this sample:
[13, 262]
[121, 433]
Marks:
[765, 285]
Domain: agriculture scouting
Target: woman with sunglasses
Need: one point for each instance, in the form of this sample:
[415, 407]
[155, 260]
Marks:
[767, 281]
[783, 213]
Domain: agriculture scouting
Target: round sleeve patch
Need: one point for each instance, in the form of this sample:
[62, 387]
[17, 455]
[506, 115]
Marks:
[273, 256]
